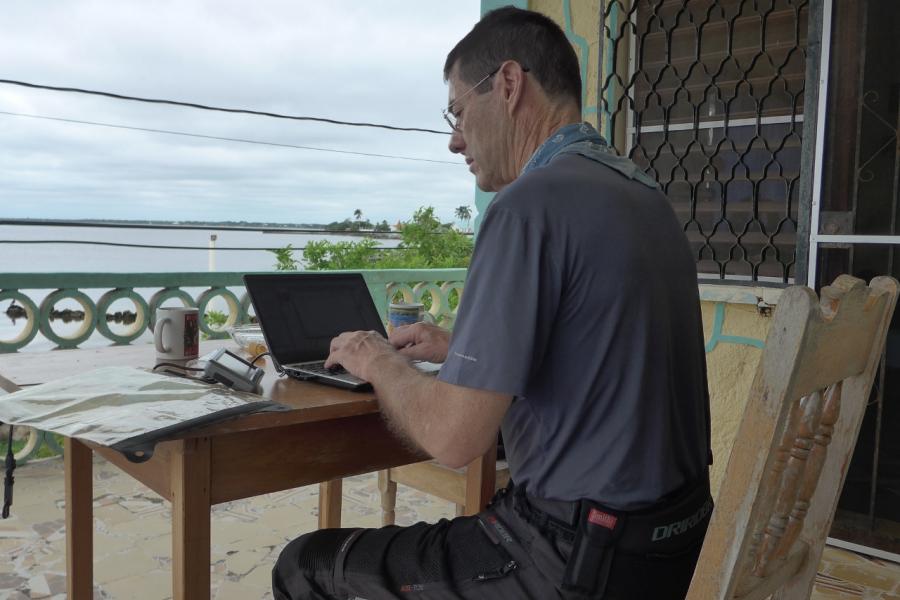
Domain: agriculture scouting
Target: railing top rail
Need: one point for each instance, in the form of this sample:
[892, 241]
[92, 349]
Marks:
[139, 280]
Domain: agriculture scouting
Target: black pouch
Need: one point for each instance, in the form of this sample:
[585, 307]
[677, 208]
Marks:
[9, 465]
[598, 531]
[671, 528]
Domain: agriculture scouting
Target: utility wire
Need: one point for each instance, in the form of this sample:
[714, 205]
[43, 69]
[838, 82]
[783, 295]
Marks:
[161, 247]
[260, 227]
[213, 108]
[229, 139]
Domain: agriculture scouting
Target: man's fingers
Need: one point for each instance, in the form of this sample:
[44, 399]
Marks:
[402, 336]
[335, 346]
[332, 359]
[409, 351]
[352, 350]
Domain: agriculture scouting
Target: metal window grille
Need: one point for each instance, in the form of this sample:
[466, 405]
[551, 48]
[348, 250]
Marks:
[708, 97]
[856, 230]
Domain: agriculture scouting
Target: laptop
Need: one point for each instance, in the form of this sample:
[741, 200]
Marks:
[300, 313]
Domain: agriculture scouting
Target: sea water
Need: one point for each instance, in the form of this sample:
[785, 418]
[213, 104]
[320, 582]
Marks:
[17, 255]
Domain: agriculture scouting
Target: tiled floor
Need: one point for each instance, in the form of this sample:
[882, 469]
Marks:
[132, 544]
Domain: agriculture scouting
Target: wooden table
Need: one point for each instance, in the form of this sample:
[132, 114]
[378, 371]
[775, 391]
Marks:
[330, 434]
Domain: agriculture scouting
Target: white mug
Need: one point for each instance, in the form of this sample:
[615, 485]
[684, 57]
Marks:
[177, 333]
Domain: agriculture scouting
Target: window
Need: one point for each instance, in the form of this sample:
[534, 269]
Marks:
[708, 97]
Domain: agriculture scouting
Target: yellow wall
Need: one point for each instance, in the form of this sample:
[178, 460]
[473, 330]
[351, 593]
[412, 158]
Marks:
[582, 29]
[730, 367]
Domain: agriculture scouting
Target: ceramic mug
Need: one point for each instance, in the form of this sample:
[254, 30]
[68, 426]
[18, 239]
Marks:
[177, 333]
[406, 313]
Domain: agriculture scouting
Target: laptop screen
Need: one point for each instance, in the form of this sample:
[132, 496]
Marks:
[300, 313]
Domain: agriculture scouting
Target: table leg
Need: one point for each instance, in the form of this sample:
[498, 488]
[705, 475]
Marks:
[191, 519]
[481, 477]
[79, 521]
[330, 503]
[388, 491]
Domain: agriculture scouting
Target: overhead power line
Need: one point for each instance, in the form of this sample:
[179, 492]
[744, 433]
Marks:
[256, 227]
[229, 139]
[164, 247]
[243, 111]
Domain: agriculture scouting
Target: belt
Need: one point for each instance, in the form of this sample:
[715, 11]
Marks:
[666, 526]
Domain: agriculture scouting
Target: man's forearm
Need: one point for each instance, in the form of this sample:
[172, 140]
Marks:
[403, 394]
[451, 423]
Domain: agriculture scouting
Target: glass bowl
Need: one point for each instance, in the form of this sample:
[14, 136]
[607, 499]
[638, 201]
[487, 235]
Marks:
[249, 338]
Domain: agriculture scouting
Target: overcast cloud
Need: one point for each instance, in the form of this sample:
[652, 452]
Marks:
[376, 61]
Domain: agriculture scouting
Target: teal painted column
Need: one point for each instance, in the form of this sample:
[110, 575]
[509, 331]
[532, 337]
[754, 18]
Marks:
[483, 199]
[585, 48]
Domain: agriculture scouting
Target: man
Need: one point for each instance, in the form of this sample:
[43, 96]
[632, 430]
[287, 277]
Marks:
[579, 332]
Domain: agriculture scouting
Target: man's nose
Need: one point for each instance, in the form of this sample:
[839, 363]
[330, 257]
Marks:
[457, 142]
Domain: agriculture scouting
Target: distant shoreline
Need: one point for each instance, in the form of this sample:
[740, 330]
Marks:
[312, 228]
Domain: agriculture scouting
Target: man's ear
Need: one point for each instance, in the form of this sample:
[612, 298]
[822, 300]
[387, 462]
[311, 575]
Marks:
[513, 82]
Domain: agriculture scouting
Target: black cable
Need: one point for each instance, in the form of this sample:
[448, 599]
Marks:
[181, 371]
[260, 227]
[8, 479]
[259, 356]
[212, 108]
[229, 139]
[176, 366]
[161, 247]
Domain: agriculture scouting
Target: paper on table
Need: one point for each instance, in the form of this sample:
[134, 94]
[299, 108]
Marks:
[124, 407]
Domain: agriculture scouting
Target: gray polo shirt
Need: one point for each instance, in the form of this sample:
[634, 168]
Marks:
[581, 301]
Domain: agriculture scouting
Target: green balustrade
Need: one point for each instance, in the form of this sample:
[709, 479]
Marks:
[439, 289]
[39, 294]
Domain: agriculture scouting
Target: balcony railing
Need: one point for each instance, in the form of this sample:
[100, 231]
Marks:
[34, 297]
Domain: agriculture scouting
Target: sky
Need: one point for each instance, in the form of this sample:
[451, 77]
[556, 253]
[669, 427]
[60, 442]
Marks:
[376, 61]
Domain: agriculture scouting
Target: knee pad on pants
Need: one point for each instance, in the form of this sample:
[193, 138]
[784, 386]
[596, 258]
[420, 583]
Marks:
[305, 567]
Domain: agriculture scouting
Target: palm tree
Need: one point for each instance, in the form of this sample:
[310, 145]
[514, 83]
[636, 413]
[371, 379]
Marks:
[463, 213]
[357, 214]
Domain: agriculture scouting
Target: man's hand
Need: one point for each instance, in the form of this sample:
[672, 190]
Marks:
[421, 341]
[357, 351]
[452, 423]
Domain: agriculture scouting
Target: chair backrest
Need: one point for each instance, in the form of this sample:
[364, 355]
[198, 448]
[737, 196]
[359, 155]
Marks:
[794, 444]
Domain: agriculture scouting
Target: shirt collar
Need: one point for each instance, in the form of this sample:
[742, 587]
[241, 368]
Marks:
[583, 139]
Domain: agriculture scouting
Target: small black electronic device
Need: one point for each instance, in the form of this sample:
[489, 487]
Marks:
[233, 371]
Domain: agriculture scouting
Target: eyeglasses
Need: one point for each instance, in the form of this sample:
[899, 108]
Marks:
[453, 119]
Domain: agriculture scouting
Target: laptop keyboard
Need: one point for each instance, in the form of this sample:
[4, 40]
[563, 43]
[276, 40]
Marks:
[319, 367]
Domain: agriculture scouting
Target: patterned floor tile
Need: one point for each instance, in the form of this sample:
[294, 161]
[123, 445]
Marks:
[132, 543]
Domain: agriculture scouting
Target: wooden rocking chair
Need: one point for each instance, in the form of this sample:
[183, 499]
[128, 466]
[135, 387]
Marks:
[793, 448]
[459, 486]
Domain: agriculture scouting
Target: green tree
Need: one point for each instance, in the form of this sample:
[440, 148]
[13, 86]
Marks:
[464, 213]
[214, 319]
[345, 225]
[430, 244]
[321, 255]
[426, 244]
[284, 258]
[357, 214]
